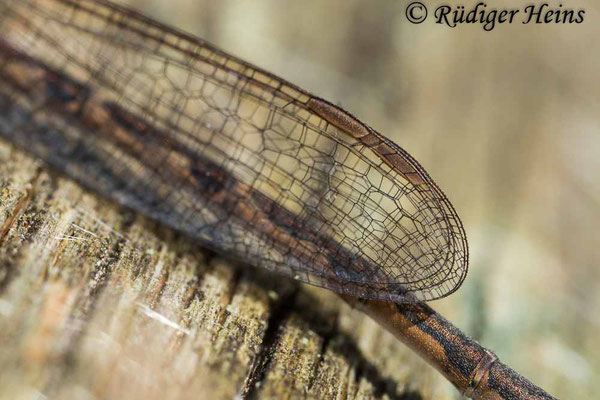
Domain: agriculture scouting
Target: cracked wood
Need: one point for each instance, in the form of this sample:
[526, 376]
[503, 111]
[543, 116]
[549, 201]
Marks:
[96, 301]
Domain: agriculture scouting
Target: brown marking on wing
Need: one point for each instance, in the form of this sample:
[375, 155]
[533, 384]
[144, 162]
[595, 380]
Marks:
[370, 140]
[171, 160]
[338, 118]
[352, 126]
[397, 161]
[383, 149]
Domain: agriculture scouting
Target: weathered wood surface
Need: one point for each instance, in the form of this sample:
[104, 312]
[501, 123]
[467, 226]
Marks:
[97, 302]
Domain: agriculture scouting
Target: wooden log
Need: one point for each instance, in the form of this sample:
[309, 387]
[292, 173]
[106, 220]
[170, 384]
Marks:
[97, 302]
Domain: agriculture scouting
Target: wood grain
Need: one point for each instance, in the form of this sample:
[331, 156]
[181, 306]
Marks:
[97, 302]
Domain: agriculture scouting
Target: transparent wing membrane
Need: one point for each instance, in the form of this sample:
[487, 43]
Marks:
[245, 162]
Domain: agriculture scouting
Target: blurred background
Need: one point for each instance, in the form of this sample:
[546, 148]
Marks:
[507, 122]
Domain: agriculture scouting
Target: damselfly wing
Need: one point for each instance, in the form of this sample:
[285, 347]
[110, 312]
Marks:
[245, 162]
